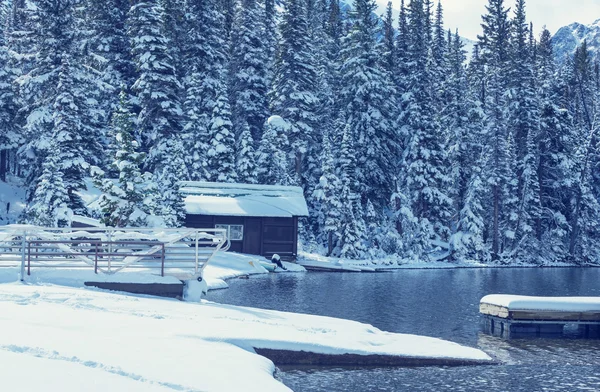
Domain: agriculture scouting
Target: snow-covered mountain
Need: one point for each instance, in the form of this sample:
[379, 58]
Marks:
[567, 39]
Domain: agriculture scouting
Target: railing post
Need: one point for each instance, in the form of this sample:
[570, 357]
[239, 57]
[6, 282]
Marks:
[23, 243]
[96, 259]
[109, 236]
[162, 263]
[28, 258]
[196, 268]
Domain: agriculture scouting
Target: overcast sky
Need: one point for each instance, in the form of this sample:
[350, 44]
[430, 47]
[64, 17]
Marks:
[466, 14]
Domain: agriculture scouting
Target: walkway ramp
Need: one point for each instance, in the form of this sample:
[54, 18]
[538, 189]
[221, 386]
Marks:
[180, 252]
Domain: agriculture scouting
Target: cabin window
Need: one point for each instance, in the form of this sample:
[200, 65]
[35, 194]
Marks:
[234, 232]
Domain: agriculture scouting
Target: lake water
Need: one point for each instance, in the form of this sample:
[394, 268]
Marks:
[437, 303]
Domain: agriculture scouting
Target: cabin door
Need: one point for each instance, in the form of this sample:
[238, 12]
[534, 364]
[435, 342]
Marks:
[253, 236]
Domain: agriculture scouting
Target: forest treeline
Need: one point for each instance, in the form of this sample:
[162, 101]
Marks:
[402, 147]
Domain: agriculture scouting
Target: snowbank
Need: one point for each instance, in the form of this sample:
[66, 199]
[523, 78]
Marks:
[555, 304]
[136, 343]
[227, 265]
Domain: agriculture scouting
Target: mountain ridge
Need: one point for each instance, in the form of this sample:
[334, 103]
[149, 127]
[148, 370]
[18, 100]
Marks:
[569, 37]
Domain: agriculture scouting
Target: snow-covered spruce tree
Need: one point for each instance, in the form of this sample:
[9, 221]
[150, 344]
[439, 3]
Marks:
[271, 38]
[19, 34]
[221, 164]
[248, 69]
[109, 48]
[107, 55]
[524, 121]
[272, 162]
[389, 44]
[557, 144]
[48, 205]
[493, 46]
[327, 206]
[157, 91]
[582, 245]
[464, 121]
[353, 229]
[53, 23]
[9, 131]
[294, 89]
[439, 53]
[68, 132]
[246, 157]
[468, 242]
[195, 130]
[400, 77]
[157, 88]
[122, 202]
[427, 179]
[368, 107]
[167, 202]
[205, 65]
[174, 28]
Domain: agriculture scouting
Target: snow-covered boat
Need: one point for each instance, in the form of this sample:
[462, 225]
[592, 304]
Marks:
[268, 265]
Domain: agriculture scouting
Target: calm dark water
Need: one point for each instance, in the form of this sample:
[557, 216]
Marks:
[438, 303]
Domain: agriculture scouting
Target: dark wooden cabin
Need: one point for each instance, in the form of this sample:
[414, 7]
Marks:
[260, 219]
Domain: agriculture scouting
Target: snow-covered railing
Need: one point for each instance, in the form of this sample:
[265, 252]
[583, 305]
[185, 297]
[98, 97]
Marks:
[179, 251]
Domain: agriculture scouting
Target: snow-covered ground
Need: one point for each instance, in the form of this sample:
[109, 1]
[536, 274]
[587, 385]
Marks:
[96, 339]
[72, 338]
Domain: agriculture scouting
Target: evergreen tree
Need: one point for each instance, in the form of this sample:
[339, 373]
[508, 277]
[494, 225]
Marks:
[368, 107]
[173, 28]
[353, 229]
[157, 91]
[245, 158]
[221, 152]
[293, 96]
[248, 69]
[427, 180]
[327, 206]
[122, 202]
[390, 56]
[157, 88]
[494, 44]
[524, 120]
[48, 206]
[273, 166]
[9, 131]
[54, 23]
[205, 59]
[68, 133]
[556, 146]
[109, 49]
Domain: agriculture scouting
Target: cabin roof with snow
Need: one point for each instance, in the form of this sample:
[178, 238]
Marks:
[247, 200]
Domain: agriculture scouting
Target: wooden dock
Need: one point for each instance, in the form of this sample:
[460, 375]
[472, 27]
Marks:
[546, 317]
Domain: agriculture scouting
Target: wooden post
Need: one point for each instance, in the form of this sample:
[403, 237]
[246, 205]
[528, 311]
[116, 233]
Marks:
[162, 262]
[23, 243]
[96, 260]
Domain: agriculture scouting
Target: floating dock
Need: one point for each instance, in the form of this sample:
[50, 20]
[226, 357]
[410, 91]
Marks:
[512, 316]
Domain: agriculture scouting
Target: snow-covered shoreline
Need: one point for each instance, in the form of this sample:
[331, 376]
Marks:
[101, 340]
[161, 343]
[314, 260]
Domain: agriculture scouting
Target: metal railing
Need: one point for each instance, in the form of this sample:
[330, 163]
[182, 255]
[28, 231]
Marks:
[110, 250]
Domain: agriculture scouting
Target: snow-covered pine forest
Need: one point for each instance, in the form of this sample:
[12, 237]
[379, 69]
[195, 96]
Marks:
[400, 145]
